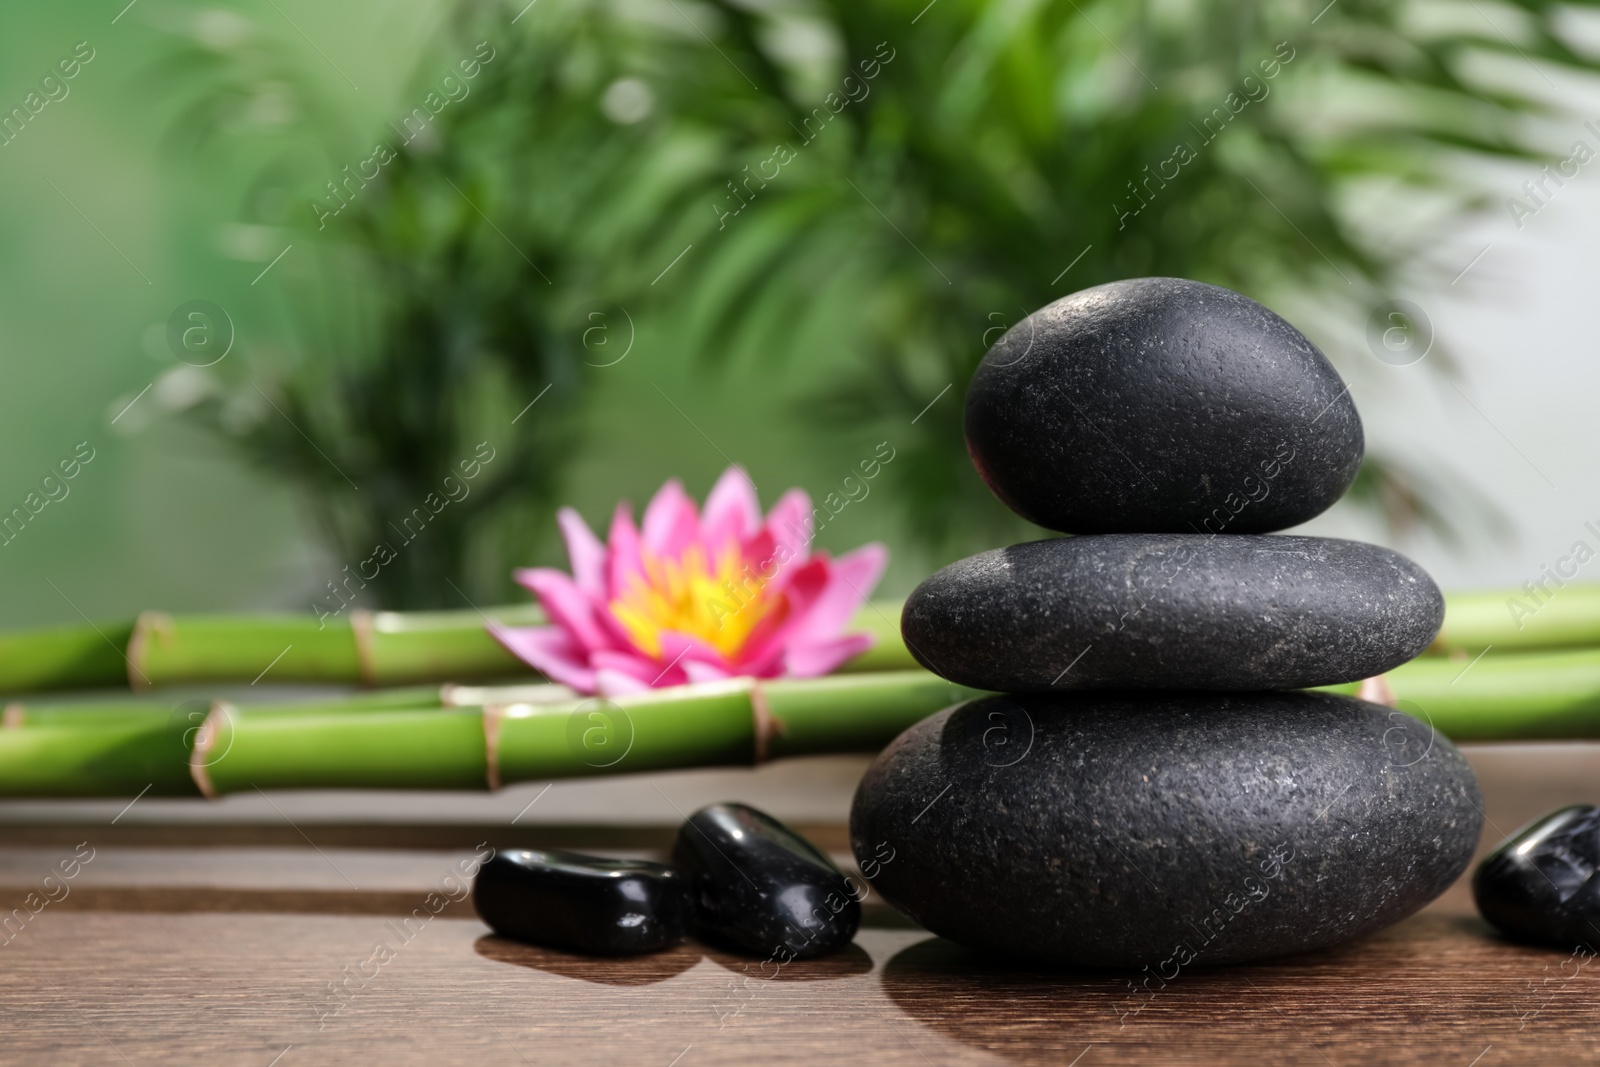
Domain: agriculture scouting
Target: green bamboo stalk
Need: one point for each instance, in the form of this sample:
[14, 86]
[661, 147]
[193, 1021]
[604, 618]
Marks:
[188, 715]
[401, 648]
[1511, 697]
[1519, 620]
[108, 748]
[410, 739]
[154, 712]
[98, 759]
[373, 746]
[420, 749]
[64, 657]
[404, 648]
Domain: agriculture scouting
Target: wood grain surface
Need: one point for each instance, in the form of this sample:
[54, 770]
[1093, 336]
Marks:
[247, 944]
[215, 987]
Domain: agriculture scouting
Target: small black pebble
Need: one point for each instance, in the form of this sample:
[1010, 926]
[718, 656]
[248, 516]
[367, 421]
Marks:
[584, 903]
[1540, 885]
[758, 886]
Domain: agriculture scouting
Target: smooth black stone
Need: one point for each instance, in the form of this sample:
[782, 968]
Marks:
[1161, 405]
[1540, 885]
[757, 886]
[1125, 829]
[1172, 611]
[583, 903]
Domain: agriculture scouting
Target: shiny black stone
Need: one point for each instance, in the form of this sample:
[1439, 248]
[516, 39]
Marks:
[1161, 405]
[583, 903]
[1541, 884]
[1164, 829]
[758, 886]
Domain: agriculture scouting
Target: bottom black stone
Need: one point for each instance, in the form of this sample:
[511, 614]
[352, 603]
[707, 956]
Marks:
[1164, 830]
[582, 903]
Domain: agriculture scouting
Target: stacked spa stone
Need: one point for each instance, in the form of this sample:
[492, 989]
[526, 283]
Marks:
[1156, 788]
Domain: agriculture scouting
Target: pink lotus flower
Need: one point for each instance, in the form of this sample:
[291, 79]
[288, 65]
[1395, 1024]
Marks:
[693, 598]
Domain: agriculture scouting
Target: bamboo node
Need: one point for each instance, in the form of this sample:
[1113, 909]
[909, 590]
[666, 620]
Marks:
[361, 625]
[205, 739]
[492, 716]
[764, 723]
[149, 624]
[1376, 690]
[11, 718]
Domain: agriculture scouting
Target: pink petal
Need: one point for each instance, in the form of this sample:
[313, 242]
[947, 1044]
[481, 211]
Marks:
[758, 545]
[696, 671]
[547, 649]
[585, 552]
[851, 580]
[790, 522]
[625, 564]
[632, 664]
[732, 510]
[620, 638]
[616, 683]
[813, 660]
[772, 630]
[566, 606]
[761, 556]
[678, 647]
[769, 664]
[670, 522]
[778, 549]
[773, 560]
[805, 586]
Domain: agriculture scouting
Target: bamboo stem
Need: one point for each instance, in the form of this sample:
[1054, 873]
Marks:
[1517, 621]
[416, 739]
[386, 648]
[159, 714]
[373, 743]
[359, 648]
[60, 657]
[401, 648]
[1517, 697]
[100, 759]
[153, 712]
[382, 648]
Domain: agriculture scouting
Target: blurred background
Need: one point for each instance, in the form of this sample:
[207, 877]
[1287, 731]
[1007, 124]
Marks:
[276, 269]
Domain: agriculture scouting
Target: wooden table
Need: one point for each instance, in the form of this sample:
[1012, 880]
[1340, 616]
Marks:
[208, 941]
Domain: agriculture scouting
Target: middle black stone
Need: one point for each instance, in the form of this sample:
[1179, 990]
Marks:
[1172, 611]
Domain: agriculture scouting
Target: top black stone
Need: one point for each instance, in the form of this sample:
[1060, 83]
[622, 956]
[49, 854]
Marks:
[1161, 405]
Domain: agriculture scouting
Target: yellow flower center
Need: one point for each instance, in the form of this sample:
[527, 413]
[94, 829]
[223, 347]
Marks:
[720, 605]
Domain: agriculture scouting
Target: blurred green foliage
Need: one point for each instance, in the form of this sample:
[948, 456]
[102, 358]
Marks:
[804, 220]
